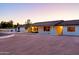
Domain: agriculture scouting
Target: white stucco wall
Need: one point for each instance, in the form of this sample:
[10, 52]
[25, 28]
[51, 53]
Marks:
[22, 29]
[52, 31]
[65, 32]
[41, 30]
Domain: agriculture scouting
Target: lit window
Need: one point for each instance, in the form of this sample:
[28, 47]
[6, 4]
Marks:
[34, 29]
[46, 28]
[71, 29]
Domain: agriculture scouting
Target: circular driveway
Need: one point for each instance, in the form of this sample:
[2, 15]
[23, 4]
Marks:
[6, 35]
[35, 44]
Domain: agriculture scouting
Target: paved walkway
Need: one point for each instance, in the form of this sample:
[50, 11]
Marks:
[34, 44]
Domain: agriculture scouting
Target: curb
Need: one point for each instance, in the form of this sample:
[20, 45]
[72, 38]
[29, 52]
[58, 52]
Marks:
[7, 36]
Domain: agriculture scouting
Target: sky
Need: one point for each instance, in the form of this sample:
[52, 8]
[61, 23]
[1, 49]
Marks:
[38, 12]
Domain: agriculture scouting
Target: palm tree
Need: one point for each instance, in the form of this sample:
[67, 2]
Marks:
[28, 23]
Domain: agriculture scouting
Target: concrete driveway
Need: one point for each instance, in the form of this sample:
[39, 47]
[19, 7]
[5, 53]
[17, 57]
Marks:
[35, 44]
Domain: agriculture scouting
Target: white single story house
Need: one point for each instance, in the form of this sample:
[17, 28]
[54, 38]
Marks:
[60, 27]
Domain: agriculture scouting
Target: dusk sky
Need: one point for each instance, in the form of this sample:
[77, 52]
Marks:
[38, 12]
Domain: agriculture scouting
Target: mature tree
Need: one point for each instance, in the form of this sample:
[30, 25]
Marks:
[3, 24]
[10, 24]
[7, 24]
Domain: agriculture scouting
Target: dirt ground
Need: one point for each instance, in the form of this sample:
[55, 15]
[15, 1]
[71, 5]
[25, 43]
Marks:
[35, 44]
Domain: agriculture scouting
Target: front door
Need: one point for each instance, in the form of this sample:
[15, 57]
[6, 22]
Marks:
[59, 30]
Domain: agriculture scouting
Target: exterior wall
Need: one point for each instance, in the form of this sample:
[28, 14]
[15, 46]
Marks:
[65, 32]
[22, 29]
[56, 30]
[41, 30]
[52, 31]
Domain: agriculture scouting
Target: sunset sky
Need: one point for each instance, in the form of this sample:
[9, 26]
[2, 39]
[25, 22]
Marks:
[38, 12]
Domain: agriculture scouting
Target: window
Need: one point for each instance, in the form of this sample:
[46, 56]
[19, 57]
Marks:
[34, 29]
[71, 29]
[46, 28]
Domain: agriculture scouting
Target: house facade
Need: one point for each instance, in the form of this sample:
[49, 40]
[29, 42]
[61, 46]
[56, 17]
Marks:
[70, 27]
[56, 27]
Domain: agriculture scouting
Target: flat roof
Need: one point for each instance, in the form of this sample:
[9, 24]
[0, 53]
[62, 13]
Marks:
[55, 23]
[47, 23]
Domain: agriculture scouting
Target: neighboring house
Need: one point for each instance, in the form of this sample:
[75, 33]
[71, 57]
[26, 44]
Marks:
[21, 28]
[56, 27]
